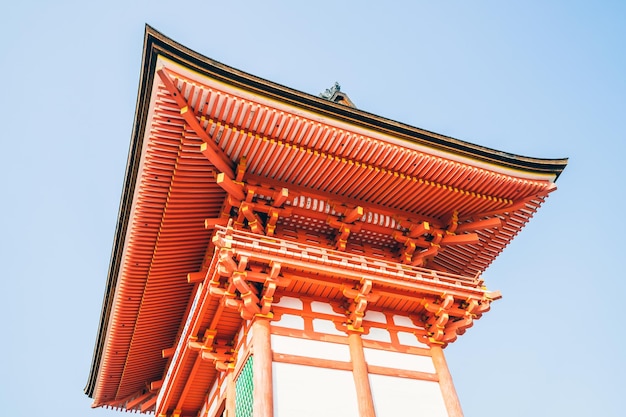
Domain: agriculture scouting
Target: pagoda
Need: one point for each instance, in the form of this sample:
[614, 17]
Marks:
[283, 254]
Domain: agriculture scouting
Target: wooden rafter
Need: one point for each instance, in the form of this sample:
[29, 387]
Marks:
[347, 161]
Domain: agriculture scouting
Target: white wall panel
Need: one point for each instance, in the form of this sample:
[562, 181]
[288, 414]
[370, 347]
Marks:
[375, 316]
[399, 360]
[310, 348]
[395, 397]
[409, 339]
[290, 321]
[404, 321]
[290, 302]
[326, 326]
[306, 391]
[375, 333]
[319, 307]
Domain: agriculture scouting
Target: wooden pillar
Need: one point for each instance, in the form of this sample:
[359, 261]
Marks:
[231, 393]
[360, 374]
[445, 382]
[262, 368]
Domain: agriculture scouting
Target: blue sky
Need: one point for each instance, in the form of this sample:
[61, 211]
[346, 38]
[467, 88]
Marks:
[543, 79]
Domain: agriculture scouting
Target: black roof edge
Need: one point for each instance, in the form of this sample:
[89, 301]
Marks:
[148, 63]
[155, 43]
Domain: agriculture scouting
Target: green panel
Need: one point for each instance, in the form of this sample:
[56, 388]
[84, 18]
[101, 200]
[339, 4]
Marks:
[244, 391]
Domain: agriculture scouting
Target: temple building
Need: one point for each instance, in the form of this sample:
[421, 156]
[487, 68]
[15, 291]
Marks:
[284, 254]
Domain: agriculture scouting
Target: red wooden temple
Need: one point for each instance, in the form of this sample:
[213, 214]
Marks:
[283, 254]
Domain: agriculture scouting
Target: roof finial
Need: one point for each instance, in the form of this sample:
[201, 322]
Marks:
[331, 91]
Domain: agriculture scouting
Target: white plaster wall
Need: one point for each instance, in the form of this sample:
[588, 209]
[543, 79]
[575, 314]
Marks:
[375, 316]
[377, 334]
[290, 302]
[404, 321]
[310, 348]
[306, 391]
[395, 397]
[399, 360]
[409, 339]
[327, 327]
[325, 308]
[290, 321]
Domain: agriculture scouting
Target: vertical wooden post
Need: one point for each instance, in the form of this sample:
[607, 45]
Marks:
[262, 368]
[360, 374]
[445, 382]
[231, 393]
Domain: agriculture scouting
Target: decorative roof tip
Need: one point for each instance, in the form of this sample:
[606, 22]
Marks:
[335, 95]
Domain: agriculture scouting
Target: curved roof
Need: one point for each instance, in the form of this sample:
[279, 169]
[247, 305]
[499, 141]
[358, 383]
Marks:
[197, 118]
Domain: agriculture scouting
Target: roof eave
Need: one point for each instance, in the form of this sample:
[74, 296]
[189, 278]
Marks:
[157, 44]
[146, 80]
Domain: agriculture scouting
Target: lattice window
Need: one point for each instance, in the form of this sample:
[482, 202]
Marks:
[244, 391]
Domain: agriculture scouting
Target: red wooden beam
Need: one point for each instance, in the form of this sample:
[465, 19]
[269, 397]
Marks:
[135, 402]
[465, 239]
[479, 225]
[145, 407]
[215, 155]
[280, 197]
[230, 186]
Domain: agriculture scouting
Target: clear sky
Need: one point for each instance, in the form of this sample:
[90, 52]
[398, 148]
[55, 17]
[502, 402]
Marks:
[538, 78]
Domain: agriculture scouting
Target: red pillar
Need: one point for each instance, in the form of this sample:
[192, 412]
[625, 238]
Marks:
[445, 382]
[361, 378]
[231, 394]
[262, 368]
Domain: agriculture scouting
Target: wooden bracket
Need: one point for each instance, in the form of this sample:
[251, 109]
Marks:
[344, 230]
[254, 222]
[220, 352]
[238, 292]
[445, 318]
[235, 189]
[280, 197]
[352, 215]
[359, 297]
[433, 240]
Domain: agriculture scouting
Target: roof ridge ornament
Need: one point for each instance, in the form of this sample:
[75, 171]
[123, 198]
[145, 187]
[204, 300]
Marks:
[331, 91]
[335, 95]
